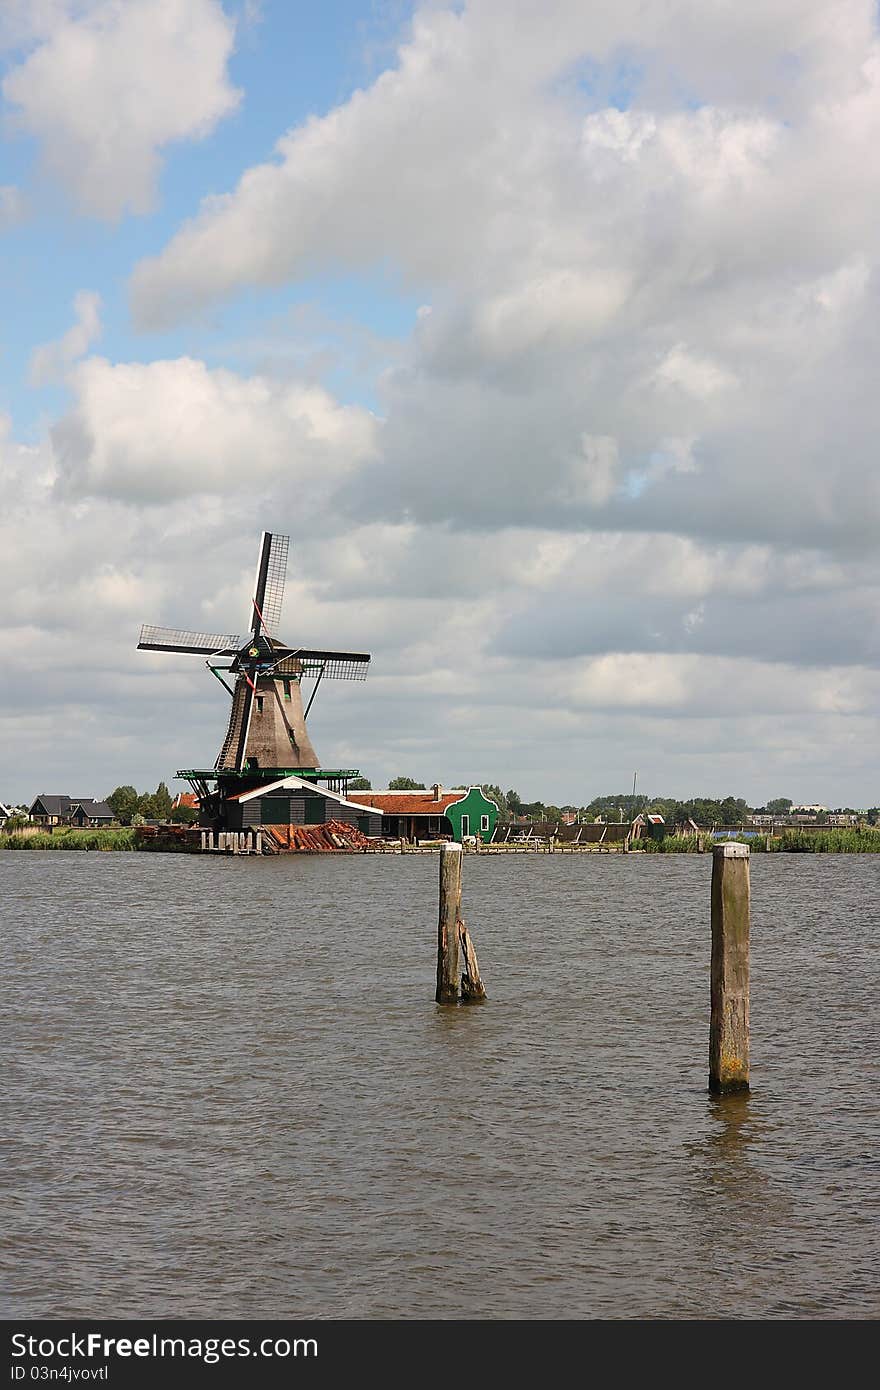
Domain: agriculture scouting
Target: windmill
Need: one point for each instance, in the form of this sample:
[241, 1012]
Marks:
[267, 722]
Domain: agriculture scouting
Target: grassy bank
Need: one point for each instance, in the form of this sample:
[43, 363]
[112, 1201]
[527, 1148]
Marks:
[677, 844]
[71, 839]
[865, 841]
[831, 841]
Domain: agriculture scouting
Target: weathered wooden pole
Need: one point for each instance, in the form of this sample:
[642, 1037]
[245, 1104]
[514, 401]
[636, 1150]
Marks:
[447, 930]
[472, 987]
[729, 1025]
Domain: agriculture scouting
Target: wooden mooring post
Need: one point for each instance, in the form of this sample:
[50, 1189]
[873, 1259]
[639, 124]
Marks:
[729, 1024]
[453, 937]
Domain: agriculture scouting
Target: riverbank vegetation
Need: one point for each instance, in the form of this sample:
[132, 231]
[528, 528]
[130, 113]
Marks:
[70, 839]
[835, 841]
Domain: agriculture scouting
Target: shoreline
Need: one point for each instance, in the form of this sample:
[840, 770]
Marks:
[126, 840]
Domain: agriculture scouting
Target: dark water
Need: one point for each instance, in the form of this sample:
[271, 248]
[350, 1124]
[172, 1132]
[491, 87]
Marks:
[229, 1093]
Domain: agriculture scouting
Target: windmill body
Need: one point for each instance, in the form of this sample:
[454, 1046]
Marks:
[277, 736]
[266, 735]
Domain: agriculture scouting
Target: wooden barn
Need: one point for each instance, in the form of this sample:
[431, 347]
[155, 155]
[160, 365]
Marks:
[292, 800]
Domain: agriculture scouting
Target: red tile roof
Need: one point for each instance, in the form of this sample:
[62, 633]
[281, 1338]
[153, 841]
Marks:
[407, 803]
[185, 799]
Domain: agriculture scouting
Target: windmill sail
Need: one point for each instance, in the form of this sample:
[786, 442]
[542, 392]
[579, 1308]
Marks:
[276, 575]
[269, 584]
[239, 717]
[341, 666]
[175, 639]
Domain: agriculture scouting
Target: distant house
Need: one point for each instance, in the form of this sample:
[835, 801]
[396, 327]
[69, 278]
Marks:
[185, 801]
[6, 812]
[91, 813]
[69, 810]
[52, 810]
[434, 814]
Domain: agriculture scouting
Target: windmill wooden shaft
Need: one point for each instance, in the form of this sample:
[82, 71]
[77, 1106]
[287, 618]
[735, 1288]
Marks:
[267, 722]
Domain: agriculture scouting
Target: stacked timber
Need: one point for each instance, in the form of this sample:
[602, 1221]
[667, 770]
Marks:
[333, 837]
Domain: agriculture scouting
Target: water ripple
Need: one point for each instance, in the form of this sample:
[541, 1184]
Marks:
[229, 1092]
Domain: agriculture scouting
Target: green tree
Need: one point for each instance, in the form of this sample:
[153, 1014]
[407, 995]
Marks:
[734, 810]
[609, 808]
[146, 806]
[779, 806]
[123, 802]
[360, 784]
[497, 795]
[162, 801]
[185, 815]
[405, 784]
[514, 803]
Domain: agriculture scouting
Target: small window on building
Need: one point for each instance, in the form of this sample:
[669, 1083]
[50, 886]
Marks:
[465, 825]
[484, 822]
[286, 688]
[259, 704]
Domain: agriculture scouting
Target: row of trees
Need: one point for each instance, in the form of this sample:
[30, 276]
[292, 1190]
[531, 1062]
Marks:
[131, 807]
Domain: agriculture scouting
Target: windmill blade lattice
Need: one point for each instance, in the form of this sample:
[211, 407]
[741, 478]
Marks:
[271, 577]
[342, 666]
[175, 639]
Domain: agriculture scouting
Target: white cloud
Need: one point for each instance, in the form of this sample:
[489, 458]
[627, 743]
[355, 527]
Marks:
[594, 472]
[174, 429]
[50, 361]
[465, 155]
[692, 280]
[111, 83]
[699, 376]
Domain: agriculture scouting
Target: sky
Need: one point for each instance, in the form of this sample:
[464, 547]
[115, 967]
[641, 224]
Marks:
[549, 333]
